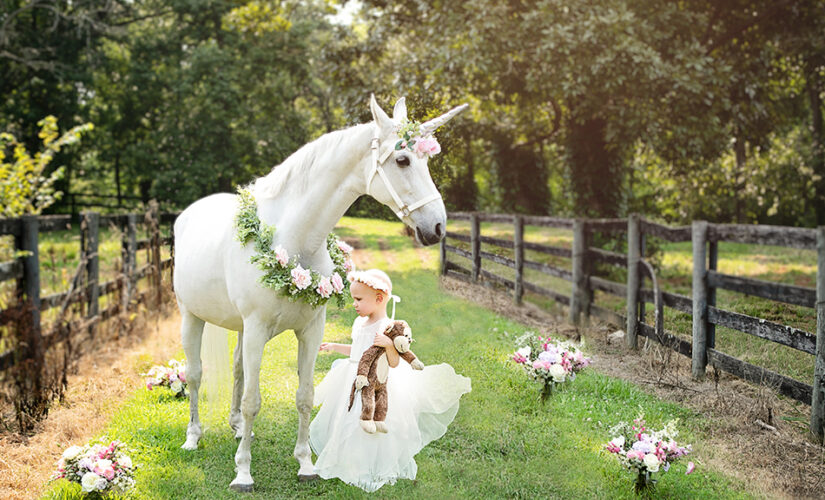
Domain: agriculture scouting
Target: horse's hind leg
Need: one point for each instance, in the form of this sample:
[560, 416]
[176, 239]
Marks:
[309, 339]
[191, 335]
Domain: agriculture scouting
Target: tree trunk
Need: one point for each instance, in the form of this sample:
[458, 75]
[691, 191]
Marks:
[595, 168]
[741, 179]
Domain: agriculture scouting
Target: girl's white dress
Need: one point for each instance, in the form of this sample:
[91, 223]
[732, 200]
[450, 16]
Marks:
[421, 406]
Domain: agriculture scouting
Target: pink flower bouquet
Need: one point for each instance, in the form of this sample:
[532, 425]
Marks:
[645, 451]
[551, 362]
[98, 469]
[172, 376]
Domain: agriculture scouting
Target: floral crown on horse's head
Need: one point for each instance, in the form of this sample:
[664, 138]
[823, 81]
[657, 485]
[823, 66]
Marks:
[413, 138]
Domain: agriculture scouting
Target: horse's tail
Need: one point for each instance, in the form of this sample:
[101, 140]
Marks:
[351, 396]
[216, 381]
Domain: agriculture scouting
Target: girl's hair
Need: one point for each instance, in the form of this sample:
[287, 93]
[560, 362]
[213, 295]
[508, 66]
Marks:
[373, 278]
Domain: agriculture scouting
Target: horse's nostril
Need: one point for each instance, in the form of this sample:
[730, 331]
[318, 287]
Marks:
[438, 231]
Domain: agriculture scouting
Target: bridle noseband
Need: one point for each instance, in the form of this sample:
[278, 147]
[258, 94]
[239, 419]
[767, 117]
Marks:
[404, 210]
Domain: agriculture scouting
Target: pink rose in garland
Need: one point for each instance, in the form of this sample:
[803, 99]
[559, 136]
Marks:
[281, 255]
[337, 283]
[301, 277]
[427, 146]
[324, 287]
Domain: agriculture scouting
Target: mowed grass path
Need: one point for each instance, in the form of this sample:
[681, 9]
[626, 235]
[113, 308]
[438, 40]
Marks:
[503, 443]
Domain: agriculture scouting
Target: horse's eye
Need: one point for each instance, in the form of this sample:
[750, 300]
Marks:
[403, 160]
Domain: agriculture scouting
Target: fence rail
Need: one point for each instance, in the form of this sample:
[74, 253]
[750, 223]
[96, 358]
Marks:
[701, 305]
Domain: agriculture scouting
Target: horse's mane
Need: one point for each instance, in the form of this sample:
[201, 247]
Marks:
[300, 168]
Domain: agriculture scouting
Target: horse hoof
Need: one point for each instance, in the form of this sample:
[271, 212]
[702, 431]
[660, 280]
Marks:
[241, 488]
[190, 446]
[305, 478]
[239, 435]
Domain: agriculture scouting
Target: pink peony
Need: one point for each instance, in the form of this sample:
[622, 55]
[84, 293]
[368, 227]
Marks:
[301, 277]
[348, 267]
[690, 468]
[337, 283]
[281, 255]
[344, 247]
[149, 385]
[324, 287]
[427, 147]
[182, 377]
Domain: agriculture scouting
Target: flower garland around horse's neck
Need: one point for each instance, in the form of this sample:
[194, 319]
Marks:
[410, 138]
[284, 273]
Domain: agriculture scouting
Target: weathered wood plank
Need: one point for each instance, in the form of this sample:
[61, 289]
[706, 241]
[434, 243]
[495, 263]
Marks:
[458, 236]
[11, 270]
[550, 270]
[700, 299]
[458, 251]
[675, 234]
[632, 258]
[614, 258]
[558, 297]
[498, 259]
[817, 425]
[789, 294]
[143, 244]
[56, 299]
[498, 242]
[550, 250]
[579, 295]
[606, 225]
[611, 287]
[679, 345]
[475, 245]
[50, 223]
[545, 221]
[143, 271]
[452, 266]
[167, 263]
[518, 250]
[785, 385]
[485, 217]
[11, 226]
[112, 286]
[673, 300]
[758, 327]
[114, 220]
[795, 237]
[498, 279]
[451, 273]
[459, 215]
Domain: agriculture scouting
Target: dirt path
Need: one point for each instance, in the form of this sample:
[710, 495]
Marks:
[780, 463]
[103, 382]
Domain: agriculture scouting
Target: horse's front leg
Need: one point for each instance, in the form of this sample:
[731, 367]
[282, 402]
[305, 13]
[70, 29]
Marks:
[235, 417]
[192, 336]
[254, 338]
[309, 339]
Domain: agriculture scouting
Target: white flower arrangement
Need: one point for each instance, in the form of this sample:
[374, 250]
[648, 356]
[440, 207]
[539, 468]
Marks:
[551, 362]
[172, 376]
[98, 468]
[645, 451]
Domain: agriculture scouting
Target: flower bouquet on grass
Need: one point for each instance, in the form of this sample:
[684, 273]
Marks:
[645, 451]
[551, 362]
[98, 469]
[172, 376]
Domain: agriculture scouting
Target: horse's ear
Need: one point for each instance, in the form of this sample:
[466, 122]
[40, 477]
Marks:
[381, 119]
[399, 113]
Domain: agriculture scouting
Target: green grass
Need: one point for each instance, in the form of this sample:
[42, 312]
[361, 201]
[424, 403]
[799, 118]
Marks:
[674, 264]
[503, 443]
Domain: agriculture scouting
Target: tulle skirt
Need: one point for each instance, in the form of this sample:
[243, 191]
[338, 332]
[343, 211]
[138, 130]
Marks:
[421, 406]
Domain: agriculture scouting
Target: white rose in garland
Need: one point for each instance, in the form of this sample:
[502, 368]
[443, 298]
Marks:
[282, 271]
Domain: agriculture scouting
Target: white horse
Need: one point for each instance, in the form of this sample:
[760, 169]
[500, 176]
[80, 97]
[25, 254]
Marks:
[303, 198]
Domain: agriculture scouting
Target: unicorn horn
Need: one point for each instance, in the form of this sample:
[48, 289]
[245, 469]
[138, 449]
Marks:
[430, 126]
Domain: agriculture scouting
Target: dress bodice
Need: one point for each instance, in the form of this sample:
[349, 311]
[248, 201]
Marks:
[363, 336]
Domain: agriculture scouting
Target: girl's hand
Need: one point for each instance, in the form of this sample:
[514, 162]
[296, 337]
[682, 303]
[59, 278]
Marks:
[325, 346]
[382, 340]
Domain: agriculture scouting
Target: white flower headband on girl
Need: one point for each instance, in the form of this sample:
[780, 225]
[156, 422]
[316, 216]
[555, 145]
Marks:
[377, 280]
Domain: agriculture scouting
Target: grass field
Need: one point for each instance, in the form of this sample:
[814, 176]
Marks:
[674, 265]
[504, 443]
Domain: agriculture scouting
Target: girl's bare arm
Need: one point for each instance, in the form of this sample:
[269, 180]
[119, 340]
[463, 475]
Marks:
[333, 347]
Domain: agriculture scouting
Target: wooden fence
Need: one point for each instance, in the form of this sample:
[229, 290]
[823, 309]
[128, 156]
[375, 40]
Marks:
[85, 290]
[705, 238]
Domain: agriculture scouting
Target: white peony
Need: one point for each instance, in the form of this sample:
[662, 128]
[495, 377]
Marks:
[89, 481]
[176, 386]
[72, 452]
[651, 462]
[558, 373]
[524, 351]
[125, 461]
[618, 442]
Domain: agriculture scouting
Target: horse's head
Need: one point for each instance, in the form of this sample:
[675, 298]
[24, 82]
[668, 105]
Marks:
[398, 175]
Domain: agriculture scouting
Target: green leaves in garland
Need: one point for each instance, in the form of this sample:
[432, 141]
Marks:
[284, 273]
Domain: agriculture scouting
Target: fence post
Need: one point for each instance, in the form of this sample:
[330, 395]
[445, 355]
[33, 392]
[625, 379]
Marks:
[129, 249]
[91, 243]
[713, 259]
[633, 252]
[172, 252]
[442, 252]
[579, 297]
[818, 395]
[642, 253]
[475, 243]
[29, 286]
[700, 299]
[154, 221]
[518, 248]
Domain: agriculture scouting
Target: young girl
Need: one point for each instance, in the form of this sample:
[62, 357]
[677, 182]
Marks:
[421, 403]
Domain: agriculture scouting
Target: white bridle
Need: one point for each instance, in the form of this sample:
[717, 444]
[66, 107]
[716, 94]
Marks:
[404, 210]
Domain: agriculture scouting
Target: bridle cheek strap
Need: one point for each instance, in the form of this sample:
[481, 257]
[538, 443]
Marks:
[404, 210]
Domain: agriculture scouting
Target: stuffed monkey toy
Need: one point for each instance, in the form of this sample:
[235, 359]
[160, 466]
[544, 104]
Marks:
[372, 377]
